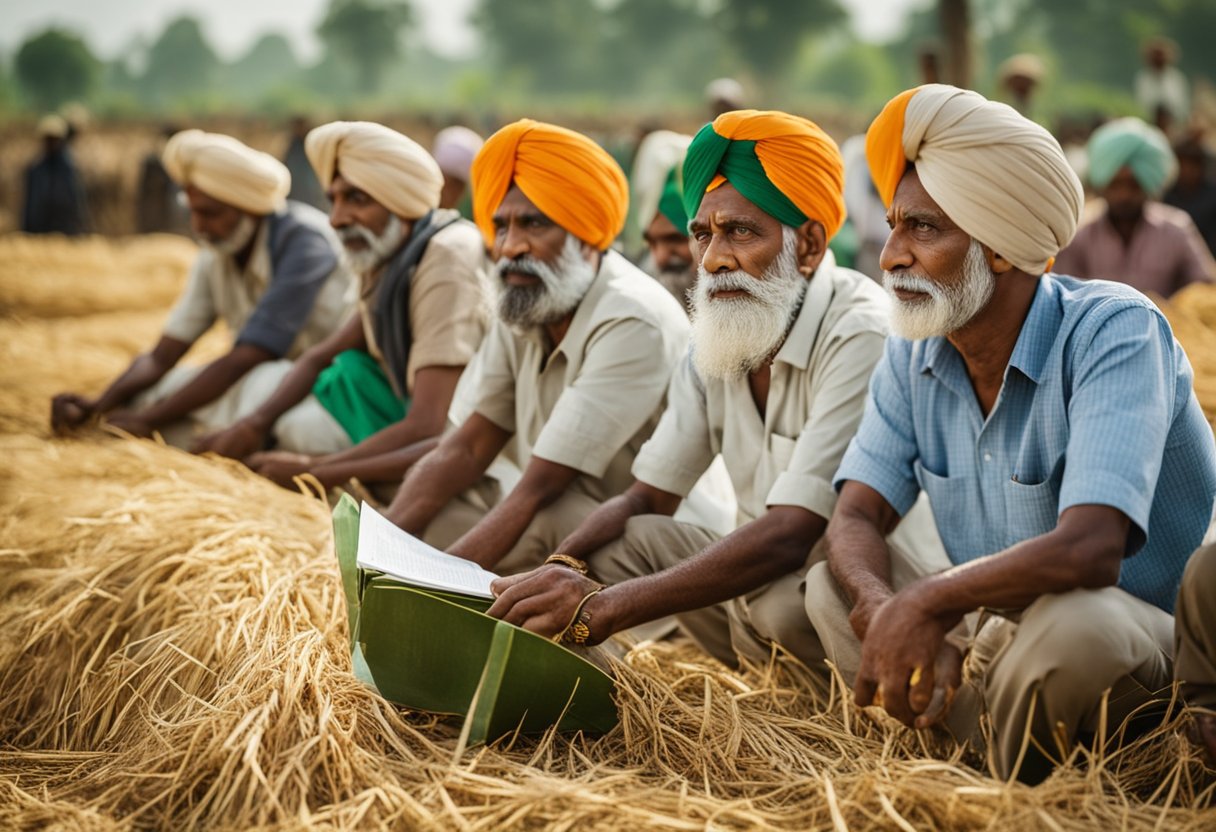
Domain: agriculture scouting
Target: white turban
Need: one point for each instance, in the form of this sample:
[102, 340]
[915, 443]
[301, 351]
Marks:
[658, 153]
[390, 168]
[227, 170]
[999, 176]
[454, 149]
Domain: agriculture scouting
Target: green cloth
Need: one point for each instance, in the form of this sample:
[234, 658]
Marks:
[357, 393]
[711, 154]
[1130, 142]
[844, 245]
[671, 202]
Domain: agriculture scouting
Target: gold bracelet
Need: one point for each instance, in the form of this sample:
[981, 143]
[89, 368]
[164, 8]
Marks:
[579, 566]
[579, 628]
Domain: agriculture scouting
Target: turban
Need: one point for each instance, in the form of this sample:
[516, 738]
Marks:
[999, 176]
[566, 175]
[1129, 142]
[671, 202]
[390, 168]
[454, 149]
[227, 170]
[786, 165]
[658, 155]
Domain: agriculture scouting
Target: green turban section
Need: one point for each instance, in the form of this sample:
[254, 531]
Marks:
[1130, 142]
[671, 202]
[711, 154]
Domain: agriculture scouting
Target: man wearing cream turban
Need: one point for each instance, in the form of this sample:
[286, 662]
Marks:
[1129, 235]
[1051, 423]
[268, 268]
[658, 208]
[384, 381]
[570, 379]
[782, 348]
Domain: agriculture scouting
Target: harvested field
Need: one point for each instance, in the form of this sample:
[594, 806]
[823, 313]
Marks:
[174, 653]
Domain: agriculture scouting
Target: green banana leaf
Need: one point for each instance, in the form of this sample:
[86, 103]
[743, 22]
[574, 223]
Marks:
[438, 651]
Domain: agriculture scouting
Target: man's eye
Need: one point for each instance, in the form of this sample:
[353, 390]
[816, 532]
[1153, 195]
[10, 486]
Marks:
[741, 231]
[701, 236]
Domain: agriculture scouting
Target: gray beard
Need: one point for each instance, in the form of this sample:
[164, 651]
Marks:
[380, 247]
[949, 307]
[235, 242]
[732, 337]
[563, 286]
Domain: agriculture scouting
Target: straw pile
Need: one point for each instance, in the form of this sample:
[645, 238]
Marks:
[174, 657]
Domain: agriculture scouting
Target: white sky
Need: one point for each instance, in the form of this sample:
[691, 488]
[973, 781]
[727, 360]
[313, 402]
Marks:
[233, 25]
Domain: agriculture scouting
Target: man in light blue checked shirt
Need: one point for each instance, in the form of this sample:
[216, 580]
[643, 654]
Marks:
[1053, 426]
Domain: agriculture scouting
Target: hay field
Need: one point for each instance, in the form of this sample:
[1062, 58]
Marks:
[173, 657]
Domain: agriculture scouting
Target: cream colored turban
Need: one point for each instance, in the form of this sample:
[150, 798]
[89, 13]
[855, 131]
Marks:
[225, 169]
[392, 169]
[454, 149]
[1002, 178]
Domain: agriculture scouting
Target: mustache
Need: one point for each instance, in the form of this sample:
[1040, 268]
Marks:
[911, 282]
[737, 281]
[524, 264]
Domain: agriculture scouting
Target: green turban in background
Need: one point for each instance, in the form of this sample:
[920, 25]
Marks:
[671, 201]
[1130, 142]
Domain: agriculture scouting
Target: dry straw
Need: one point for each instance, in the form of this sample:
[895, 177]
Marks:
[174, 656]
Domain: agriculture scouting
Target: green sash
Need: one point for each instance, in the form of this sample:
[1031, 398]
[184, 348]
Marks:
[357, 393]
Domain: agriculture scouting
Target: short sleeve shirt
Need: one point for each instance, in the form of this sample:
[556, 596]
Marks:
[1096, 408]
[593, 400]
[816, 396]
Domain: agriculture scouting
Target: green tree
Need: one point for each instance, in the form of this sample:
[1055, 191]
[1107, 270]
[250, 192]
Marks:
[549, 45]
[53, 67]
[180, 62]
[768, 33]
[367, 34]
[269, 63]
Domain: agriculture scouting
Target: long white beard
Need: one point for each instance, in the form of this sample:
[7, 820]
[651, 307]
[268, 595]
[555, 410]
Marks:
[235, 242]
[380, 247]
[561, 289]
[732, 337]
[949, 307]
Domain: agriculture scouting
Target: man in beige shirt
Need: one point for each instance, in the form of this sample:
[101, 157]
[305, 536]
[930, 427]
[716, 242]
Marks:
[783, 343]
[269, 269]
[571, 378]
[384, 382]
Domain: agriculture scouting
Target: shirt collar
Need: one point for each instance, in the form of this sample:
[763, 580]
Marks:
[580, 324]
[796, 351]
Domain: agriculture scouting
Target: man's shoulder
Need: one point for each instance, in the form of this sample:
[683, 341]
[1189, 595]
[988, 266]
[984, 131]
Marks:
[295, 222]
[1086, 305]
[1168, 219]
[460, 239]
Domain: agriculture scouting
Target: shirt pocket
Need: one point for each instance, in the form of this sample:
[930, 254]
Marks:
[1032, 509]
[781, 449]
[956, 510]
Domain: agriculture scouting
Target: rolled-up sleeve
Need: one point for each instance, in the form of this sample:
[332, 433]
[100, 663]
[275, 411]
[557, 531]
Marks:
[884, 450]
[297, 277]
[619, 386]
[195, 310]
[680, 449]
[836, 409]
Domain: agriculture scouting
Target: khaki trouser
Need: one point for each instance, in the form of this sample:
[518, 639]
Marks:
[548, 528]
[1195, 630]
[307, 428]
[1042, 672]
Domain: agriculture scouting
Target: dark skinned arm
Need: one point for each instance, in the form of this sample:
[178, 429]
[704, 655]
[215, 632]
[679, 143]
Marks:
[607, 523]
[905, 633]
[249, 434]
[455, 464]
[489, 541]
[69, 410]
[753, 555]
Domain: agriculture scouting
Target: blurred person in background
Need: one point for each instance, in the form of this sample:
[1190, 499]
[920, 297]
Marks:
[54, 192]
[454, 149]
[268, 268]
[1194, 191]
[658, 208]
[304, 184]
[1162, 91]
[722, 95]
[1129, 235]
[383, 382]
[1019, 78]
[160, 204]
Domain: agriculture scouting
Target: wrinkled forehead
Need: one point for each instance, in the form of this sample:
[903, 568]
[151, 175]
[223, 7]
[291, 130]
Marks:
[725, 203]
[911, 200]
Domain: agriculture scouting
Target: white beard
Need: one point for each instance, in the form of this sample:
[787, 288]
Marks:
[235, 242]
[732, 337]
[380, 247]
[949, 307]
[561, 289]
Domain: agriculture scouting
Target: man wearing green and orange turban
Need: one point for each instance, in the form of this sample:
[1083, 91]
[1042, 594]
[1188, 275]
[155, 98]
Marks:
[1052, 424]
[783, 343]
[570, 379]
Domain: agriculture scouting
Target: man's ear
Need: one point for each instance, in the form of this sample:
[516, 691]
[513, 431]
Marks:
[997, 263]
[812, 245]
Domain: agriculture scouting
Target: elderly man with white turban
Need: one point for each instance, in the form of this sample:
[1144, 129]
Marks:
[385, 380]
[1131, 236]
[1051, 422]
[268, 268]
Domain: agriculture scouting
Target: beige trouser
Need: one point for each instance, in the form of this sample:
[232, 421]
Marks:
[1195, 630]
[1042, 672]
[548, 528]
[307, 428]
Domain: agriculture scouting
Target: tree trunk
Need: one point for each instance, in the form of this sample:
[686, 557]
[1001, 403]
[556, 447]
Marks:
[955, 21]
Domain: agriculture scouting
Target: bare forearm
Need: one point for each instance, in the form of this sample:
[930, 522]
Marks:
[390, 466]
[144, 372]
[496, 533]
[397, 437]
[607, 523]
[431, 484]
[292, 390]
[859, 559]
[212, 382]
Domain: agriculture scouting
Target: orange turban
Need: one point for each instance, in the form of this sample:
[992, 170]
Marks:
[784, 164]
[568, 176]
[999, 176]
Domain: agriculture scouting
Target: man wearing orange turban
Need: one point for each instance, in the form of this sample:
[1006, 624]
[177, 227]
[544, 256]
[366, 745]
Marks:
[783, 345]
[570, 380]
[1052, 424]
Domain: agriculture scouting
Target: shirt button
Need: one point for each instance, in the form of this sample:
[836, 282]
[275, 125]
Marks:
[987, 457]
